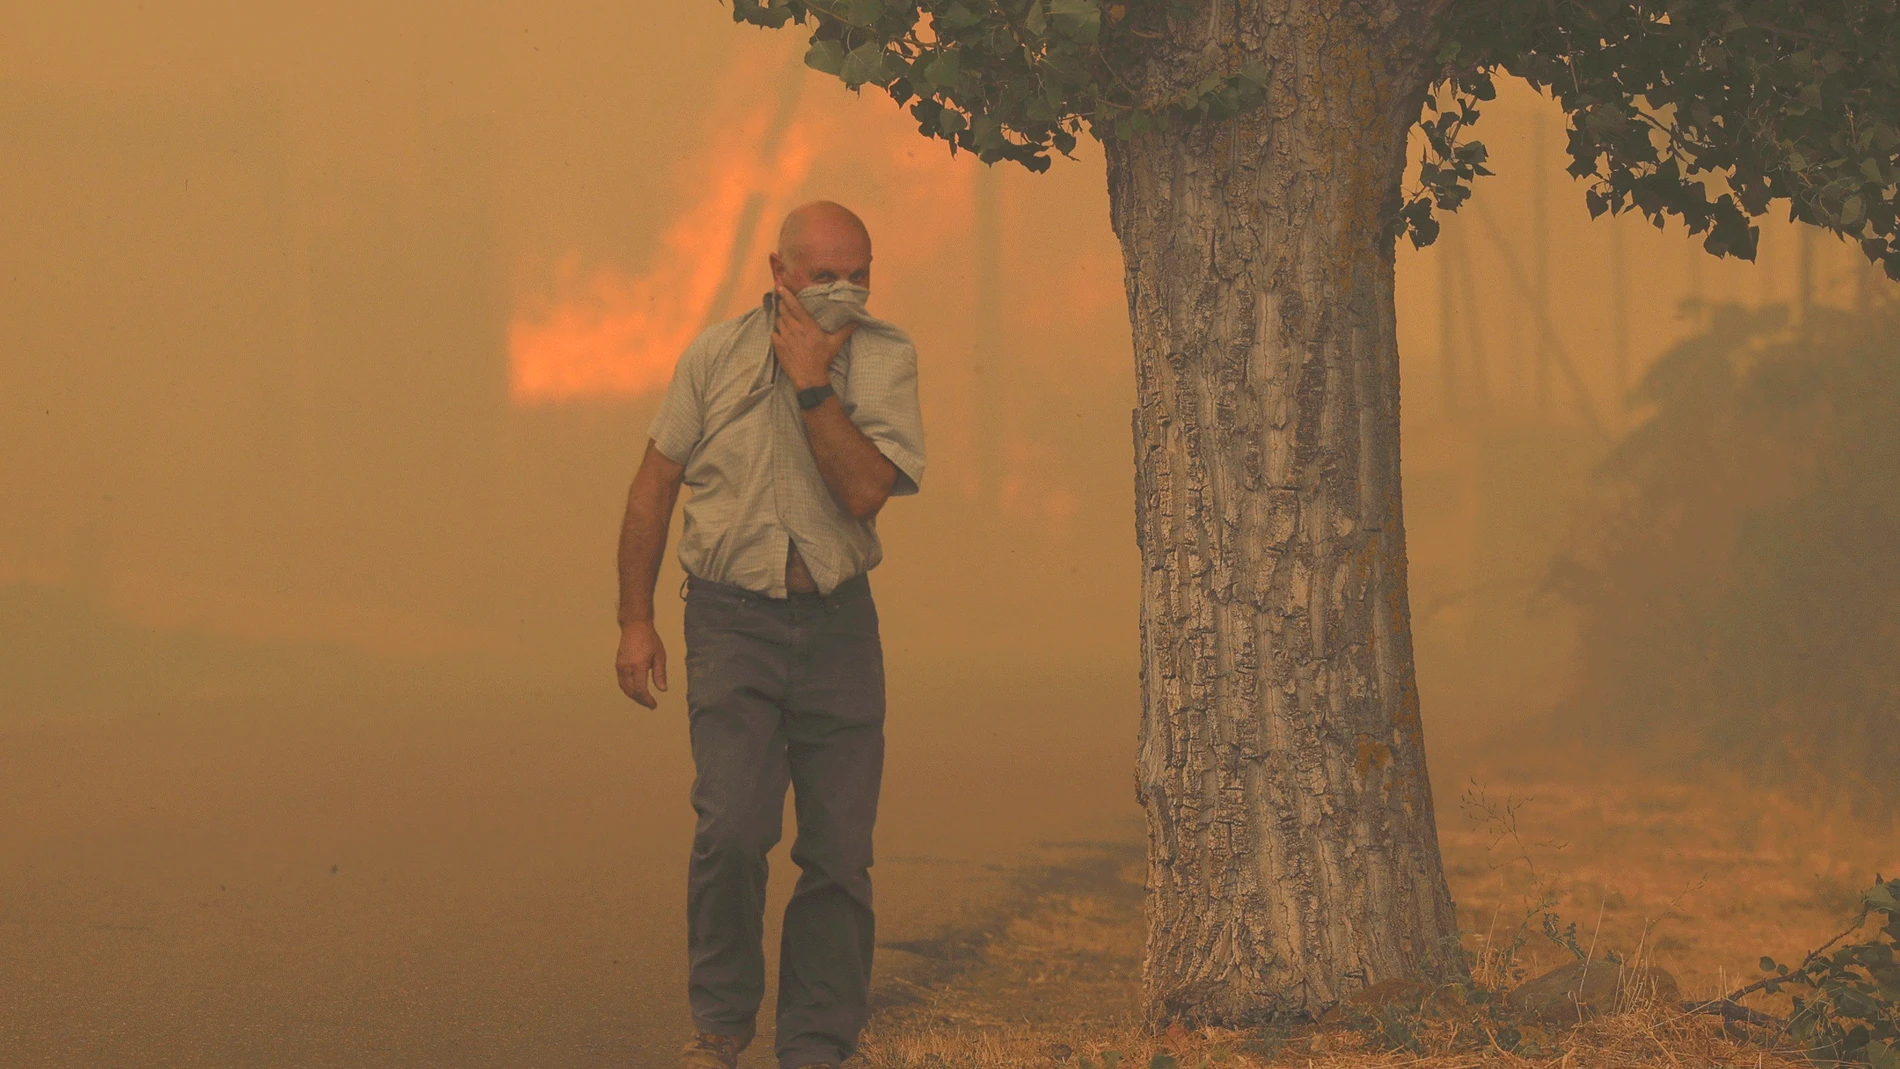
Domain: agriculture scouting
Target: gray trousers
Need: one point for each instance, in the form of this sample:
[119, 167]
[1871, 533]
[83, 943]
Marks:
[784, 691]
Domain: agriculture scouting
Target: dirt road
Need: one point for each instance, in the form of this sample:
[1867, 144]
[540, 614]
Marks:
[237, 885]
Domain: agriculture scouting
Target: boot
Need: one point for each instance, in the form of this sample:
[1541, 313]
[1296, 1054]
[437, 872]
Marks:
[708, 1050]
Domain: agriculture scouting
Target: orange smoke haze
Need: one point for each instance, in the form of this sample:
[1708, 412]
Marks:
[588, 330]
[606, 334]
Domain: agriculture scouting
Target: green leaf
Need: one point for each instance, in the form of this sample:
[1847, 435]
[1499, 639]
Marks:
[927, 112]
[1853, 1003]
[944, 71]
[863, 12]
[1851, 209]
[1078, 20]
[1036, 19]
[1163, 1060]
[959, 17]
[751, 11]
[826, 56]
[865, 64]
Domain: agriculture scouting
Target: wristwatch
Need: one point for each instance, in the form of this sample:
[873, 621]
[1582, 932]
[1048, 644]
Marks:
[813, 397]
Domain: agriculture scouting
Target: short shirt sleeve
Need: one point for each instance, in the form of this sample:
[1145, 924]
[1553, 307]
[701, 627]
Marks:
[681, 422]
[881, 397]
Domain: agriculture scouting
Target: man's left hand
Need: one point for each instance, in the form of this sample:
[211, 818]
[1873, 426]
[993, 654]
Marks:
[803, 348]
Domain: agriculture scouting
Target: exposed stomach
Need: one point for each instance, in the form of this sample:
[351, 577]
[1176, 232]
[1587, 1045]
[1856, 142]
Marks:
[798, 578]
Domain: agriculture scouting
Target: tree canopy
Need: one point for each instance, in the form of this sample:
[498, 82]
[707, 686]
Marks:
[1710, 111]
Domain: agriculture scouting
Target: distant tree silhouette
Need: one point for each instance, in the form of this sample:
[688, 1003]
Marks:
[1739, 582]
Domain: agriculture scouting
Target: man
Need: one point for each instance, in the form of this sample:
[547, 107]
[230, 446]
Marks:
[792, 424]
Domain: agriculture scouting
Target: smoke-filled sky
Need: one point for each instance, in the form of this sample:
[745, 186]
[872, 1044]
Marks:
[342, 327]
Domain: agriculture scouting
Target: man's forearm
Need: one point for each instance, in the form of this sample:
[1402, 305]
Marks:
[858, 474]
[642, 543]
[650, 503]
[640, 550]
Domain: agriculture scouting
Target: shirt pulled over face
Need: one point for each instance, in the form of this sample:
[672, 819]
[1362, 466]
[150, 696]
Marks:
[833, 304]
[730, 417]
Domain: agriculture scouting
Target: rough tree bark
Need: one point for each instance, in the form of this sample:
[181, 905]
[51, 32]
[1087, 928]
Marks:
[1293, 854]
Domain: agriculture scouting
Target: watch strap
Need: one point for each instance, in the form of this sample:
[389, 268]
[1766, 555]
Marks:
[809, 399]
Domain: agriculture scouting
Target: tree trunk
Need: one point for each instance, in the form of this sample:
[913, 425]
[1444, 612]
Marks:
[1293, 854]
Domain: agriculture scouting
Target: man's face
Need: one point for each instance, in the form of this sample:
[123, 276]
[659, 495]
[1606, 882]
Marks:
[824, 254]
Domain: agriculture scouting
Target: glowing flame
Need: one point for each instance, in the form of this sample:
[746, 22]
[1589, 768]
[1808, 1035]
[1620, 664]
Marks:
[606, 334]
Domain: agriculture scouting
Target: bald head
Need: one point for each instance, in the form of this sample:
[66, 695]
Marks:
[822, 242]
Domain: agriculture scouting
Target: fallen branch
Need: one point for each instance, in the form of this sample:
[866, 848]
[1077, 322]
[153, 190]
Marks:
[1729, 1010]
[1729, 1007]
[1859, 919]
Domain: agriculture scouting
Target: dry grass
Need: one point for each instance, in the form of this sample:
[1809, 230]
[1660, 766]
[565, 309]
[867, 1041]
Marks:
[1699, 882]
[1629, 1039]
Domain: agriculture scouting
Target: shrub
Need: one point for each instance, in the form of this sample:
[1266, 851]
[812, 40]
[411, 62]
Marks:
[1738, 577]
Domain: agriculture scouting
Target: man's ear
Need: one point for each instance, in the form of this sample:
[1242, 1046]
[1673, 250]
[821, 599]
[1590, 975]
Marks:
[778, 268]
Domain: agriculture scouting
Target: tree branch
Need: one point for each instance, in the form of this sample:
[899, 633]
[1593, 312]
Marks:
[1859, 919]
[1728, 1010]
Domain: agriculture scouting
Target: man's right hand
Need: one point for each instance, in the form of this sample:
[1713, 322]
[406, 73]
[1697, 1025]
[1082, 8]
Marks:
[641, 652]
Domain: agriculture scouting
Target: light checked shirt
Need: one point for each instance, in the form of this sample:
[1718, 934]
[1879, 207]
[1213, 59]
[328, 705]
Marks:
[731, 418]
